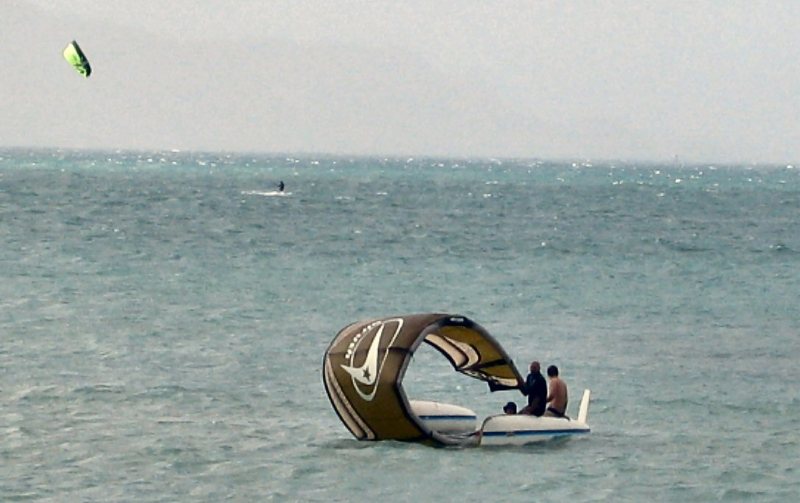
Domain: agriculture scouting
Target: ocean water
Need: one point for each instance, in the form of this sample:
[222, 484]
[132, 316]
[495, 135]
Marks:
[163, 319]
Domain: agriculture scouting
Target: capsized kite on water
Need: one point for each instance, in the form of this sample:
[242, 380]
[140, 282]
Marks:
[75, 57]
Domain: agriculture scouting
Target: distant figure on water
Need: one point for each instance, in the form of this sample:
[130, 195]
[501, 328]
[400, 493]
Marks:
[536, 389]
[557, 398]
[281, 186]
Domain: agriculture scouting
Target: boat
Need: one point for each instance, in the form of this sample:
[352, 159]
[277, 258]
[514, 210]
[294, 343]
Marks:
[522, 429]
[500, 429]
[363, 370]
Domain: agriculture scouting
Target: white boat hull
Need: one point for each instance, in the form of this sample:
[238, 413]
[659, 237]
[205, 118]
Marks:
[445, 418]
[502, 429]
[523, 429]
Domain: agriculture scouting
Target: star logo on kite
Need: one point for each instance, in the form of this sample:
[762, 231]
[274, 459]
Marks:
[365, 376]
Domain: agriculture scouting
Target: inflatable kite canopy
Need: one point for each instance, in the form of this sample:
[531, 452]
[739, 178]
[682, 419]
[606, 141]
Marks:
[365, 364]
[75, 57]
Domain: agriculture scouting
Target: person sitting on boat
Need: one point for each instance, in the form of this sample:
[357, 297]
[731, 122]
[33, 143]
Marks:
[536, 389]
[510, 408]
[557, 398]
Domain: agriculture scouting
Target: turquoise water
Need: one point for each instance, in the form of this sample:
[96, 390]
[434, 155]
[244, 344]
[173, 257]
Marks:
[162, 324]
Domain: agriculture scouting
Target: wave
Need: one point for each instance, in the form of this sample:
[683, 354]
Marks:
[682, 246]
[99, 388]
[266, 193]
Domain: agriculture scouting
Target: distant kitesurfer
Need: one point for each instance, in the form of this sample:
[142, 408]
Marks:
[536, 389]
[281, 186]
[557, 398]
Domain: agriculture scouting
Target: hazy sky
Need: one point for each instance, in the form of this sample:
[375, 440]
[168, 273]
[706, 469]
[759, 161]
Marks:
[711, 81]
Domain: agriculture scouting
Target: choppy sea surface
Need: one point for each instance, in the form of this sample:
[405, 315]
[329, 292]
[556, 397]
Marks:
[163, 318]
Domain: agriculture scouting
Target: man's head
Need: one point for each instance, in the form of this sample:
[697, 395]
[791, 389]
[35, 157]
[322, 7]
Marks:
[535, 366]
[510, 408]
[552, 371]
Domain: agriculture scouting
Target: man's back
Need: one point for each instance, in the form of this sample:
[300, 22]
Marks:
[537, 393]
[558, 395]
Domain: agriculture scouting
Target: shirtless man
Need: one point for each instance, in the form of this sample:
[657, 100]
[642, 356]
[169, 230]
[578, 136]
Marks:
[557, 398]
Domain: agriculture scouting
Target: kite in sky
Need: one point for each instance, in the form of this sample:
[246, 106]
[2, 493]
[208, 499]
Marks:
[75, 57]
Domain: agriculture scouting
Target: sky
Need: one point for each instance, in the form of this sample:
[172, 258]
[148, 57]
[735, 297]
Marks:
[703, 81]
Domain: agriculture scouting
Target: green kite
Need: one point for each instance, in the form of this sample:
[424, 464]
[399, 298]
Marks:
[75, 57]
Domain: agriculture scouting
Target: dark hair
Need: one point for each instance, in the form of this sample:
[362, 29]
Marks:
[511, 406]
[552, 370]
